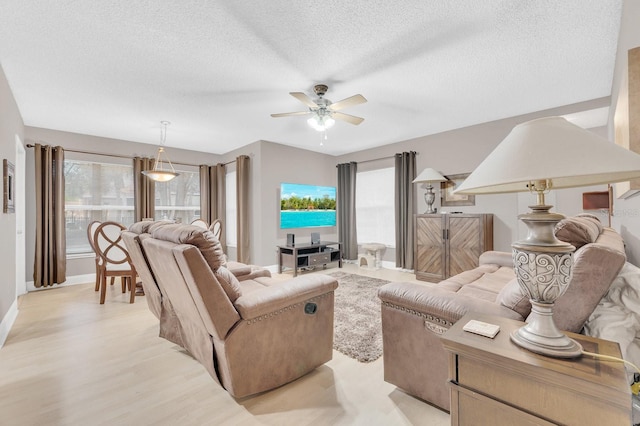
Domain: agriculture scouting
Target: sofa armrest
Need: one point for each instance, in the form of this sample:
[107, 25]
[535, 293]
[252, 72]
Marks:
[280, 296]
[440, 303]
[501, 258]
[256, 272]
[244, 272]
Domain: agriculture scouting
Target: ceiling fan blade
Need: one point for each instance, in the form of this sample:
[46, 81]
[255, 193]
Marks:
[289, 114]
[352, 119]
[350, 101]
[302, 97]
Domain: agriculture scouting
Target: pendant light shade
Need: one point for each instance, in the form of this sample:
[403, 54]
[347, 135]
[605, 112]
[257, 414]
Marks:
[159, 173]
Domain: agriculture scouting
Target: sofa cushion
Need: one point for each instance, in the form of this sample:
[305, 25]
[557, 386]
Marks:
[578, 230]
[595, 266]
[203, 239]
[512, 297]
[489, 285]
[146, 226]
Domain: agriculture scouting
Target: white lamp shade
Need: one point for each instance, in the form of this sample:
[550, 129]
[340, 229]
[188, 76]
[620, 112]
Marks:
[551, 148]
[429, 175]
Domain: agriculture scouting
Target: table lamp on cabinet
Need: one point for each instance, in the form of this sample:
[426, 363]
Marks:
[428, 176]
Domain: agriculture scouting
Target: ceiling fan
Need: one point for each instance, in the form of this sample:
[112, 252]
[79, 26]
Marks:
[323, 111]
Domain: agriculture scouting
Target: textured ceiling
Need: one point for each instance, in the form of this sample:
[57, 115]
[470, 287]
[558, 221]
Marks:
[217, 69]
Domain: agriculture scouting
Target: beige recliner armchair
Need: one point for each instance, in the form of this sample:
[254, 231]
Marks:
[252, 335]
[157, 300]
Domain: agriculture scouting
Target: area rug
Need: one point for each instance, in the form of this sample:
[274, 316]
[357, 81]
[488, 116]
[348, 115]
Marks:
[357, 322]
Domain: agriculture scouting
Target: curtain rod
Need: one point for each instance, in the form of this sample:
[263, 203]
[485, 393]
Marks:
[378, 159]
[124, 156]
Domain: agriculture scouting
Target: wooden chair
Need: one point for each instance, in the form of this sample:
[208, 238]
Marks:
[216, 228]
[200, 223]
[114, 258]
[91, 230]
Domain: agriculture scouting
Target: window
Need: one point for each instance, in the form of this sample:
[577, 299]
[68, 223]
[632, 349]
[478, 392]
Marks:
[231, 225]
[375, 207]
[95, 191]
[179, 198]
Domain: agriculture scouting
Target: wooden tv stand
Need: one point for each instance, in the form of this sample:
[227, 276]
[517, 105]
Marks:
[307, 254]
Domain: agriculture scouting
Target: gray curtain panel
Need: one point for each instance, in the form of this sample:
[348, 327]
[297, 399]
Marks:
[212, 192]
[50, 256]
[242, 191]
[213, 203]
[144, 189]
[405, 202]
[205, 197]
[346, 209]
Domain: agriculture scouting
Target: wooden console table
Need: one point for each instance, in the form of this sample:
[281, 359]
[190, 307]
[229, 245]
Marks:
[305, 255]
[493, 381]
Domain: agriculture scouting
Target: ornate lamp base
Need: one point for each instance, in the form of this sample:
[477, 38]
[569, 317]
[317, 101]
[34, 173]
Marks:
[429, 198]
[542, 265]
[542, 336]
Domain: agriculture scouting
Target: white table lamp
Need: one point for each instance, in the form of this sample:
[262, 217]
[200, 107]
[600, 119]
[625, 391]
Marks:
[428, 176]
[537, 156]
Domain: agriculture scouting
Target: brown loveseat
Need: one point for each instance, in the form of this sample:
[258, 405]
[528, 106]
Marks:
[414, 315]
[251, 335]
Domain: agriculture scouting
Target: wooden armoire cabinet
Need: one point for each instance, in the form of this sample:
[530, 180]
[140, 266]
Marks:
[447, 244]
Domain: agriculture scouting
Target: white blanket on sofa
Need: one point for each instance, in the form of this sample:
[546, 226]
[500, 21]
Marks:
[617, 316]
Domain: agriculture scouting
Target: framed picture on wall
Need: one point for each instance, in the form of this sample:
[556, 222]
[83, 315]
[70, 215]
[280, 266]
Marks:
[448, 198]
[8, 185]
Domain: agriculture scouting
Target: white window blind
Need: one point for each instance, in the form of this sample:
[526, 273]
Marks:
[95, 191]
[375, 215]
[179, 198]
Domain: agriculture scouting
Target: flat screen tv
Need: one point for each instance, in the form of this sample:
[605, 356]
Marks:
[307, 206]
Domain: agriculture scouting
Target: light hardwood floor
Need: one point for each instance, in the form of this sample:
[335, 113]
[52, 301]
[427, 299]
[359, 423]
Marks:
[70, 361]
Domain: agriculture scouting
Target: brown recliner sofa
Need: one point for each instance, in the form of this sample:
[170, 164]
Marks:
[414, 316]
[252, 335]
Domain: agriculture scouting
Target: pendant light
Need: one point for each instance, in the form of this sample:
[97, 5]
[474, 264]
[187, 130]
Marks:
[159, 174]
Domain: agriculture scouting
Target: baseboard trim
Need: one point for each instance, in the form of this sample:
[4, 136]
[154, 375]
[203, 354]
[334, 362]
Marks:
[7, 322]
[74, 280]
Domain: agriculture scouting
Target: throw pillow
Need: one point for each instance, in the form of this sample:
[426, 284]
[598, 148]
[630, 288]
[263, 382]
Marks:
[511, 296]
[578, 231]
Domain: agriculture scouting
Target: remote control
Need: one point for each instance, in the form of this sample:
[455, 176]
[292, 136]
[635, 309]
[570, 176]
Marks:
[482, 328]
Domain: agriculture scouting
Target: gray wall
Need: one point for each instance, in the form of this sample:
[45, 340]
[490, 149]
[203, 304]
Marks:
[10, 125]
[626, 212]
[272, 164]
[74, 141]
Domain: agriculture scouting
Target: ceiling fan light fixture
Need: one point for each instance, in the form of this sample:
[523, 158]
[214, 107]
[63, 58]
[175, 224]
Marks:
[323, 111]
[159, 173]
[321, 122]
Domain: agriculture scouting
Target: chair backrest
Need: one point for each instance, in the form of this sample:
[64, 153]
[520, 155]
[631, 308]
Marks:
[216, 228]
[109, 244]
[200, 223]
[91, 231]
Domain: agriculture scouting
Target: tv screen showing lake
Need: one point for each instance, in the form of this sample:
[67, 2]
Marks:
[307, 206]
